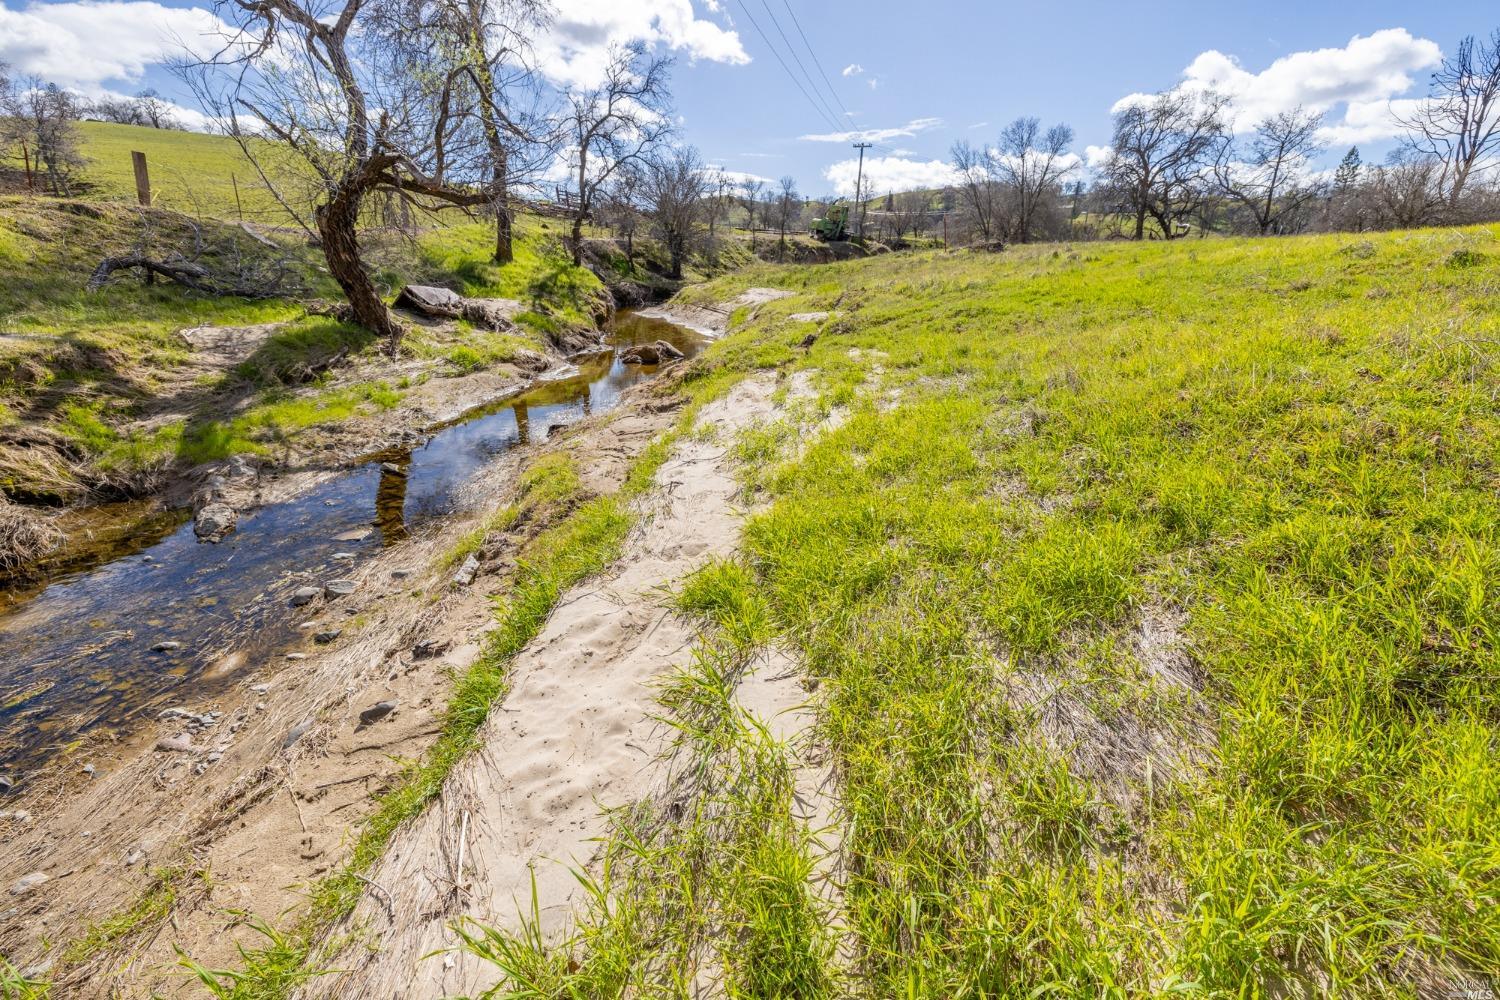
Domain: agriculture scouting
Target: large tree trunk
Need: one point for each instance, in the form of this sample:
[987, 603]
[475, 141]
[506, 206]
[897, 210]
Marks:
[504, 247]
[338, 221]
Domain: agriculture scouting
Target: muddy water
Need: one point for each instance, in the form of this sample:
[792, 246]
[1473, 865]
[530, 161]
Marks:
[76, 652]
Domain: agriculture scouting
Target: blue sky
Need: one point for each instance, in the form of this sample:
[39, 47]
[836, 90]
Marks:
[915, 76]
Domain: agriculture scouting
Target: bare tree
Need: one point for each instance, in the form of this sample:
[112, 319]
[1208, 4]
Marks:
[1271, 182]
[44, 117]
[1162, 148]
[1407, 190]
[343, 88]
[675, 185]
[116, 111]
[490, 74]
[1459, 123]
[1031, 164]
[153, 110]
[976, 182]
[620, 207]
[621, 120]
[909, 213]
[750, 193]
[785, 206]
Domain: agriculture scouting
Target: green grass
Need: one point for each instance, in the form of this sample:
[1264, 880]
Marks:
[191, 172]
[542, 275]
[1150, 596]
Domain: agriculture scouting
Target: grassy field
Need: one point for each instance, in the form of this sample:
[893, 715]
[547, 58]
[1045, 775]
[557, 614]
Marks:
[191, 172]
[1148, 595]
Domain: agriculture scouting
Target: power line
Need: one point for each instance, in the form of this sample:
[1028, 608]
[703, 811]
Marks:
[798, 59]
[816, 62]
[785, 68]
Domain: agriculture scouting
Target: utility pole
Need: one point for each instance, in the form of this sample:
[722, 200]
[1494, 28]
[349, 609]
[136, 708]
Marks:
[858, 180]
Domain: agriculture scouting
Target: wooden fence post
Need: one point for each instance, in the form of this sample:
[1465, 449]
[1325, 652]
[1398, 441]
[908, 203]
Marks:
[26, 159]
[142, 178]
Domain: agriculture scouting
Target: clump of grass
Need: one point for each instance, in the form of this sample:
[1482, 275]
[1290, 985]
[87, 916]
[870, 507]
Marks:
[15, 986]
[278, 416]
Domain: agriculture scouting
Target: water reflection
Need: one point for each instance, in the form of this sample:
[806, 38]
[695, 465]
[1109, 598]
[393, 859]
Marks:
[76, 652]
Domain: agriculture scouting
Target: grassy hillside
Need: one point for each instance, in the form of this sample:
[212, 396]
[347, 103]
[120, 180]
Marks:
[85, 365]
[1147, 595]
[191, 172]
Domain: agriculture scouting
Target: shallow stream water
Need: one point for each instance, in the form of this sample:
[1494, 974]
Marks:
[76, 650]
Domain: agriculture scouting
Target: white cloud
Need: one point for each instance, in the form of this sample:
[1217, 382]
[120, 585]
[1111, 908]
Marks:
[83, 44]
[874, 82]
[853, 69]
[1363, 76]
[740, 176]
[911, 128]
[1096, 156]
[885, 174]
[574, 51]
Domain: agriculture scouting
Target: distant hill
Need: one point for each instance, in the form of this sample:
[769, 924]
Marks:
[191, 172]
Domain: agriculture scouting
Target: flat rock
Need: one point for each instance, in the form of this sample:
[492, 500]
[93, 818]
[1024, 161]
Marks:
[296, 733]
[354, 535]
[304, 595]
[400, 574]
[328, 635]
[176, 744]
[376, 712]
[495, 314]
[27, 883]
[808, 317]
[466, 572]
[166, 647]
[428, 648]
[339, 588]
[430, 300]
[392, 469]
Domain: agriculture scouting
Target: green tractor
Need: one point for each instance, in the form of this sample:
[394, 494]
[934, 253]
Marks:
[834, 225]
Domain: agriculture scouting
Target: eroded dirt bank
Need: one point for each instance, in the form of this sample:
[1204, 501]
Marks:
[578, 734]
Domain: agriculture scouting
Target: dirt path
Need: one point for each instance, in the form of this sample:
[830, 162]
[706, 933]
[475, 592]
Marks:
[576, 734]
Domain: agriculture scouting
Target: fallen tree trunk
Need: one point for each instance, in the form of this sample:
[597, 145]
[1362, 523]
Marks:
[185, 273]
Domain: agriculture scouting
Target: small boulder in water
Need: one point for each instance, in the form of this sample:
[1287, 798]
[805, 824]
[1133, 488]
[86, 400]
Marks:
[214, 521]
[166, 647]
[651, 354]
[304, 595]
